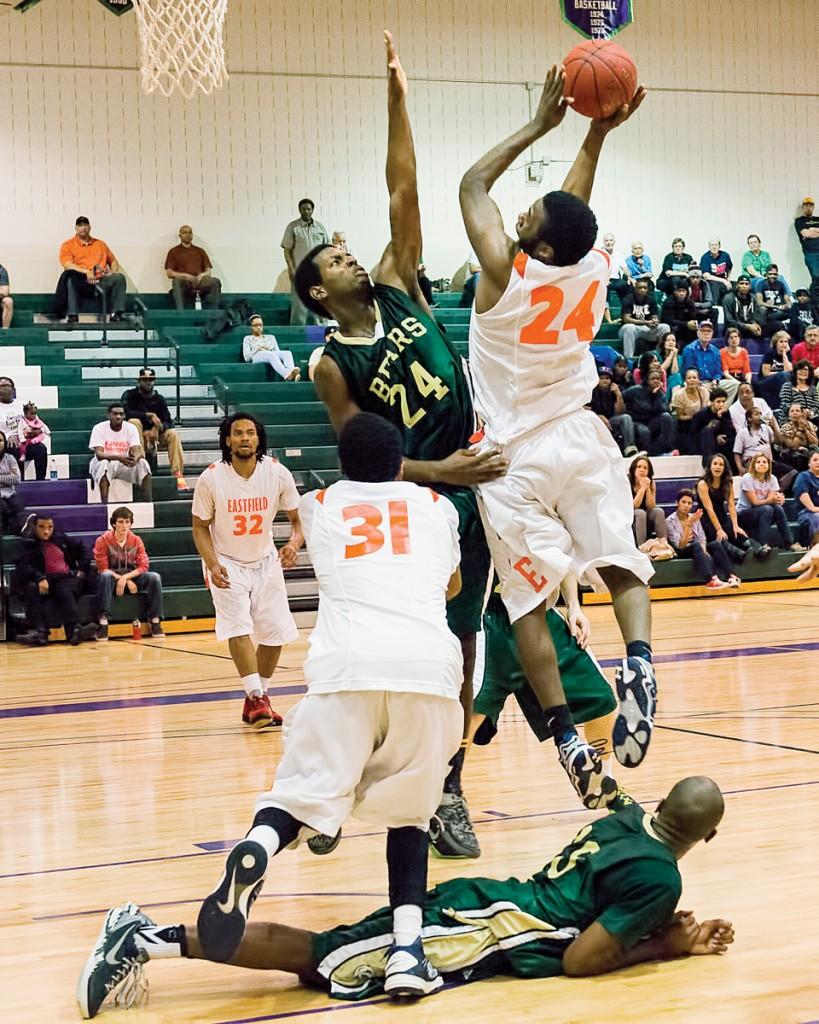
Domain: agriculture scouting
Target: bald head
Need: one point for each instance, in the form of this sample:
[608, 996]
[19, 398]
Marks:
[690, 812]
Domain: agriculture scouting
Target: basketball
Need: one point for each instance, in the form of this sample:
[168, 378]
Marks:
[600, 76]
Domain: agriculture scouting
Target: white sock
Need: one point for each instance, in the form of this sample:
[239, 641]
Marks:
[162, 941]
[265, 836]
[406, 924]
[252, 685]
[265, 682]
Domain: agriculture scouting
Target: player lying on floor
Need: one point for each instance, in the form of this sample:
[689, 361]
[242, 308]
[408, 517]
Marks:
[604, 902]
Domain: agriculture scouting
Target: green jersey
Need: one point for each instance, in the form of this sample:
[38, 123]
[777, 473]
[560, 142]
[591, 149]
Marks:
[615, 871]
[410, 376]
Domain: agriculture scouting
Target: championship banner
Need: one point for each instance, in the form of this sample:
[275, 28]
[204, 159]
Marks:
[597, 19]
[115, 6]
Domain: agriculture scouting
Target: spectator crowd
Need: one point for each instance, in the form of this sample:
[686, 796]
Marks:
[713, 364]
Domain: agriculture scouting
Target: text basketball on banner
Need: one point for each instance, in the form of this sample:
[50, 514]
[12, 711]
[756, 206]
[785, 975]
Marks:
[597, 19]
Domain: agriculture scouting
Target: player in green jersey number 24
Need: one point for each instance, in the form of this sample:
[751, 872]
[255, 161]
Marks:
[389, 357]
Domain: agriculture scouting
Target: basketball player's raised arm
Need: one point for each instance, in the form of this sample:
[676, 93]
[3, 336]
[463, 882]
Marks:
[399, 264]
[580, 179]
[484, 226]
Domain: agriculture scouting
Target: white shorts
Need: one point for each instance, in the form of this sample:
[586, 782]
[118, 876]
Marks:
[564, 506]
[381, 754]
[255, 603]
[114, 470]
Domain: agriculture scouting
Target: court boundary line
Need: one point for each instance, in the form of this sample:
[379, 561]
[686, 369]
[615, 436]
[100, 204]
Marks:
[363, 835]
[124, 703]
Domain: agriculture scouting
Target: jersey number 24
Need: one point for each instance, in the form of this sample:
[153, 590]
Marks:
[539, 330]
[369, 530]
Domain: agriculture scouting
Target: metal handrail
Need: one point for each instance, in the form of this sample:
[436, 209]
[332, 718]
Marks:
[218, 383]
[173, 344]
[140, 306]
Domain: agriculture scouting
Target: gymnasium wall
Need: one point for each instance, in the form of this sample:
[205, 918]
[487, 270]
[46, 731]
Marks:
[722, 145]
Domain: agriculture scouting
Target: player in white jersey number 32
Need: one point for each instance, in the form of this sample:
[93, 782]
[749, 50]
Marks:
[234, 505]
[564, 504]
[385, 670]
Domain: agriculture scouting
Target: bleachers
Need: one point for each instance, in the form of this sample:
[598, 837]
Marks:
[79, 375]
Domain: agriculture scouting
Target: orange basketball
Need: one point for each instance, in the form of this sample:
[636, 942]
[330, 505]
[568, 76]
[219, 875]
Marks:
[600, 76]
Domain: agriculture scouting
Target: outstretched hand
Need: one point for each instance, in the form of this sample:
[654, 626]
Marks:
[685, 936]
[606, 124]
[395, 73]
[553, 104]
[808, 565]
[713, 937]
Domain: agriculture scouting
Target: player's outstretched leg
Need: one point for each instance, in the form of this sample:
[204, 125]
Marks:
[579, 759]
[635, 681]
[223, 914]
[408, 974]
[114, 966]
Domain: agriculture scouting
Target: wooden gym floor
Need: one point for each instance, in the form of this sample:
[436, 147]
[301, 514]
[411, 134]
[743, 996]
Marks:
[126, 771]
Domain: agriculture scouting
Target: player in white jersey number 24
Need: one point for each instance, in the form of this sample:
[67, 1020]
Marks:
[385, 669]
[234, 505]
[564, 504]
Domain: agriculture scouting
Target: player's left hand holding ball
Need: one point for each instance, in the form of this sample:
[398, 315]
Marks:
[605, 124]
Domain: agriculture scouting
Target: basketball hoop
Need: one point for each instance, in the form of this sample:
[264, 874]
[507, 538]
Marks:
[181, 45]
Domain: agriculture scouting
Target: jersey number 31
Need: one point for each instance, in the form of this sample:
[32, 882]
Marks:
[372, 537]
[539, 330]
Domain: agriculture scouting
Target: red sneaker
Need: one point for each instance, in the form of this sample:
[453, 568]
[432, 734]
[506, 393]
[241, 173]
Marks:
[258, 712]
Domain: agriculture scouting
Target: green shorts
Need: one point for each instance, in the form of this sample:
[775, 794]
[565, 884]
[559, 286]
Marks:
[463, 613]
[473, 928]
[498, 668]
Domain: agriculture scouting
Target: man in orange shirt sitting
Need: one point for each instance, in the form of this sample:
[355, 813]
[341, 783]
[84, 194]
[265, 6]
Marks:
[736, 364]
[87, 262]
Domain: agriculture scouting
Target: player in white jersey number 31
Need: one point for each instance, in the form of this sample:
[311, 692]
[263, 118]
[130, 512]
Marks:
[385, 669]
[564, 504]
[234, 505]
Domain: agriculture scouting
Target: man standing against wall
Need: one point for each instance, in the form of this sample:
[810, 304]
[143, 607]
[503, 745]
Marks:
[300, 236]
[807, 229]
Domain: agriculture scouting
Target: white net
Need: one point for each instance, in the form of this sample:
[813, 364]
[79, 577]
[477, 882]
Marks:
[182, 45]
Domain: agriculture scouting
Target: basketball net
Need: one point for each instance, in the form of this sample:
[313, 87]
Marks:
[181, 45]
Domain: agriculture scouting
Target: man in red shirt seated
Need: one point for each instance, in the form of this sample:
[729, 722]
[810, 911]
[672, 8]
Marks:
[123, 566]
[51, 565]
[808, 348]
[189, 268]
[88, 263]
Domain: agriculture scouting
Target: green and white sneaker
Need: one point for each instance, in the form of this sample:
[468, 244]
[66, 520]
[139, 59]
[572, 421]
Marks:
[114, 966]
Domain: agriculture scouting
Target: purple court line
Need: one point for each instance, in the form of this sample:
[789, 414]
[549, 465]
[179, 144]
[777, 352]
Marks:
[362, 835]
[330, 1008]
[39, 710]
